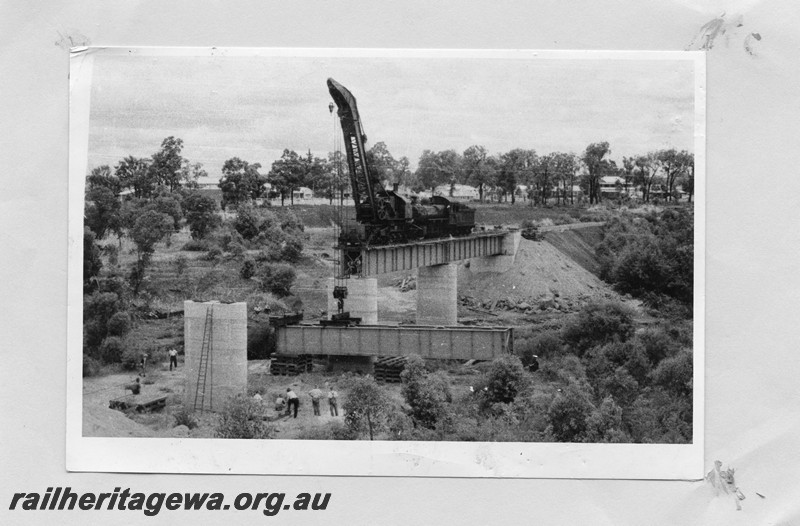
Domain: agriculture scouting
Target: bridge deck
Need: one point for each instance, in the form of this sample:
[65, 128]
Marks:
[376, 260]
[460, 343]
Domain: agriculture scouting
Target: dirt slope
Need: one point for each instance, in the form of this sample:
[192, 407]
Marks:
[578, 244]
[541, 271]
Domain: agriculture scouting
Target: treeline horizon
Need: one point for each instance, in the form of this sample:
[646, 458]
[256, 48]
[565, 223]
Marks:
[545, 176]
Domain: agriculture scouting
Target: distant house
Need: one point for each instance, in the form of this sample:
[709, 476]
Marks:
[302, 193]
[461, 192]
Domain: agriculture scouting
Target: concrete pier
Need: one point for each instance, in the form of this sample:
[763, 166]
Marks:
[361, 301]
[226, 374]
[437, 295]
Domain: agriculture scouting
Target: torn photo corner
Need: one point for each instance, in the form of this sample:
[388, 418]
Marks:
[444, 263]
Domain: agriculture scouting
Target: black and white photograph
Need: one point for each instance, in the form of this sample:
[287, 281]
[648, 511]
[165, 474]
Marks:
[394, 247]
[400, 263]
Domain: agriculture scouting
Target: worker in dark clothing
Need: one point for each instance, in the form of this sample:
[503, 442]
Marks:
[533, 366]
[135, 387]
[293, 401]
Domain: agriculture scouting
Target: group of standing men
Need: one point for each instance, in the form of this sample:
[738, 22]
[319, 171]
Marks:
[292, 401]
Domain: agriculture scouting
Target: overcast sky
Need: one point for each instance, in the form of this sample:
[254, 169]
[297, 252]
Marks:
[254, 107]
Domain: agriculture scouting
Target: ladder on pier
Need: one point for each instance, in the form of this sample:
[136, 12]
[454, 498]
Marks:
[205, 372]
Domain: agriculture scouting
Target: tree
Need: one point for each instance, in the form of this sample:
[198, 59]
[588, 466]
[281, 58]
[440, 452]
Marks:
[593, 158]
[505, 379]
[167, 164]
[627, 172]
[240, 181]
[166, 204]
[276, 278]
[314, 172]
[438, 168]
[102, 177]
[674, 374]
[402, 173]
[201, 214]
[688, 180]
[102, 211]
[426, 393]
[545, 176]
[383, 166]
[366, 406]
[91, 260]
[134, 173]
[191, 172]
[646, 170]
[513, 167]
[478, 171]
[568, 413]
[286, 174]
[673, 164]
[336, 175]
[150, 228]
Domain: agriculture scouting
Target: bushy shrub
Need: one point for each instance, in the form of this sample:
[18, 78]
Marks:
[111, 349]
[290, 222]
[246, 222]
[505, 379]
[567, 369]
[366, 406]
[184, 417]
[657, 416]
[426, 393]
[91, 261]
[291, 249]
[277, 278]
[168, 205]
[97, 311]
[652, 253]
[604, 424]
[243, 417]
[201, 214]
[131, 357]
[248, 269]
[91, 367]
[598, 323]
[400, 426]
[237, 250]
[197, 245]
[674, 374]
[213, 254]
[542, 345]
[119, 324]
[567, 415]
[335, 430]
[658, 344]
[181, 263]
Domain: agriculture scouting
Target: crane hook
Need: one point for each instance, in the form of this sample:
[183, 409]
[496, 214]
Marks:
[330, 107]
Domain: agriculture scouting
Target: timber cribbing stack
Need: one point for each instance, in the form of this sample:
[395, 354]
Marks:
[387, 370]
[290, 365]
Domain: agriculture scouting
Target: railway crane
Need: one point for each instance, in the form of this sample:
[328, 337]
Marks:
[383, 217]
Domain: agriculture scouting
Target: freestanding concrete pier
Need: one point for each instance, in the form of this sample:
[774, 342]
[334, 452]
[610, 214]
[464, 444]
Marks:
[220, 331]
[437, 295]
